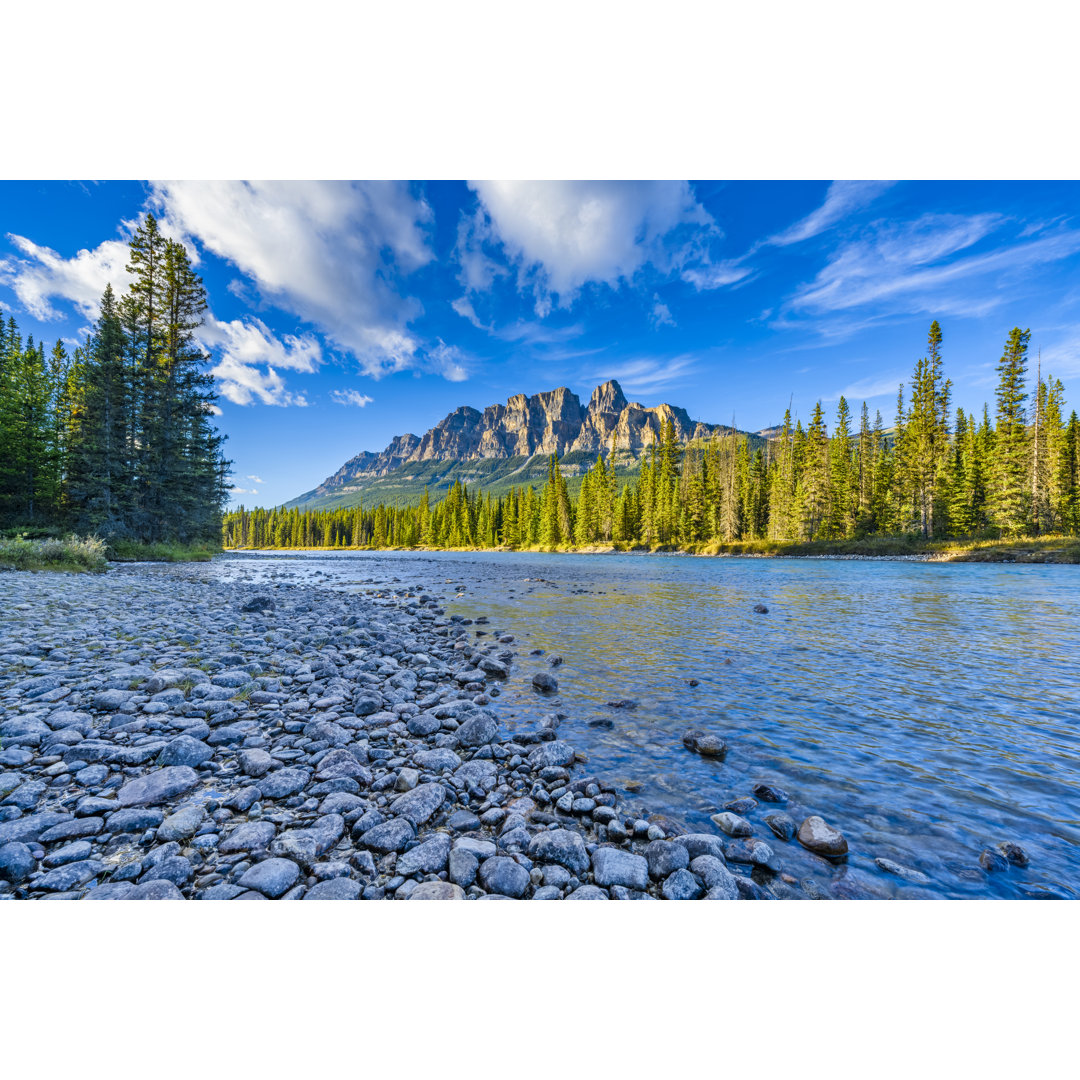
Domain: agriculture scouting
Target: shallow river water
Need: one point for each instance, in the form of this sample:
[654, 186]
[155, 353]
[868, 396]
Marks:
[927, 710]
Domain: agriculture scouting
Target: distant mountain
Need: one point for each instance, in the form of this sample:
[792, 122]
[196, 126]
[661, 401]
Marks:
[504, 446]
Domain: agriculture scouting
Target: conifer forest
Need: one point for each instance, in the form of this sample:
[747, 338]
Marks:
[116, 437]
[931, 473]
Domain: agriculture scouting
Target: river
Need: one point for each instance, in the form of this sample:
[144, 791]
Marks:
[927, 710]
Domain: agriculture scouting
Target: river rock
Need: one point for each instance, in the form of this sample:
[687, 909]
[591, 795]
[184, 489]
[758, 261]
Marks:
[154, 890]
[306, 845]
[272, 878]
[782, 826]
[904, 872]
[340, 888]
[732, 824]
[822, 839]
[249, 836]
[613, 866]
[1014, 853]
[16, 862]
[389, 836]
[184, 750]
[437, 890]
[588, 892]
[478, 730]
[420, 804]
[681, 885]
[555, 753]
[283, 783]
[665, 857]
[560, 846]
[255, 762]
[545, 683]
[715, 875]
[71, 876]
[341, 763]
[429, 857]
[158, 786]
[182, 824]
[697, 844]
[993, 862]
[501, 874]
[701, 742]
[769, 793]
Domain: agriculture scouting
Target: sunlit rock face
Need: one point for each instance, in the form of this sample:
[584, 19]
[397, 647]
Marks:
[552, 422]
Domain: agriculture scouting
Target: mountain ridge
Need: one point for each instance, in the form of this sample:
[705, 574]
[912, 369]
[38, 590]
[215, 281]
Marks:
[525, 428]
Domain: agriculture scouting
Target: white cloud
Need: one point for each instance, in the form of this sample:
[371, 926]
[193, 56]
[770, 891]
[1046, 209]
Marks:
[214, 410]
[44, 275]
[243, 491]
[844, 197]
[912, 266]
[256, 479]
[448, 361]
[647, 375]
[244, 348]
[661, 313]
[874, 386]
[562, 235]
[351, 397]
[717, 275]
[330, 253]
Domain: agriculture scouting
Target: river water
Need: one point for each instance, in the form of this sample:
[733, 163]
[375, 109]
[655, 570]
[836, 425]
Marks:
[927, 710]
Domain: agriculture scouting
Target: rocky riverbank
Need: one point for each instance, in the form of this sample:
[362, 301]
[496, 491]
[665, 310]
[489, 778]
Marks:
[166, 736]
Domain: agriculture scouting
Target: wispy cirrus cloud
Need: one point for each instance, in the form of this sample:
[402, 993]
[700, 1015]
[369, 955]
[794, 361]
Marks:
[873, 386]
[647, 375]
[923, 266]
[844, 198]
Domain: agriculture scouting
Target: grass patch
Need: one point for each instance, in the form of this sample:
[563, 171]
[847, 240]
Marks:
[133, 551]
[74, 554]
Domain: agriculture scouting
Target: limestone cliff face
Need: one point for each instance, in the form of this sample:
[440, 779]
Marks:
[553, 422]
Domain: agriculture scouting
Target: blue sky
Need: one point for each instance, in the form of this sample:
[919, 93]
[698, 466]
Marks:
[344, 314]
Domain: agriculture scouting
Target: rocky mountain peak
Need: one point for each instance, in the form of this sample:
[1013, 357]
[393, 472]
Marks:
[608, 398]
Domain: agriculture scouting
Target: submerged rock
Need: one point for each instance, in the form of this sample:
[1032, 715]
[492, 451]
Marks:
[821, 838]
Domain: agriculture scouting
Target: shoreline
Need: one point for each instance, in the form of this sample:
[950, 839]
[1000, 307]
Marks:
[1025, 552]
[184, 738]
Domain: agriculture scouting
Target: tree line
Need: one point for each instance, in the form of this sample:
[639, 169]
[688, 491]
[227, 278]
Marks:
[117, 437]
[932, 473]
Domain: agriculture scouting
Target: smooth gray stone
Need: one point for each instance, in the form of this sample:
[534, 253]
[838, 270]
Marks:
[681, 885]
[224, 891]
[283, 783]
[72, 830]
[436, 761]
[391, 835]
[501, 874]
[64, 878]
[478, 730]
[306, 845]
[420, 804]
[16, 862]
[184, 823]
[560, 846]
[664, 858]
[588, 892]
[697, 844]
[552, 754]
[74, 852]
[462, 866]
[429, 857]
[437, 890]
[613, 866]
[184, 750]
[272, 878]
[255, 762]
[547, 892]
[154, 890]
[334, 889]
[133, 820]
[176, 868]
[111, 890]
[158, 786]
[716, 876]
[250, 836]
[341, 763]
[31, 827]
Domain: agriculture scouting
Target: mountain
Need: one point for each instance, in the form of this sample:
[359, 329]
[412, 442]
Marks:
[504, 446]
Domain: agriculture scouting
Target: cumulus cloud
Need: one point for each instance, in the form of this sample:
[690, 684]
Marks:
[44, 275]
[331, 253]
[351, 397]
[243, 491]
[562, 235]
[249, 355]
[256, 479]
[448, 361]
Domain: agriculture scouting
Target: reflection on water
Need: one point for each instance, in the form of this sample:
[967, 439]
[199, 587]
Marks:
[926, 710]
